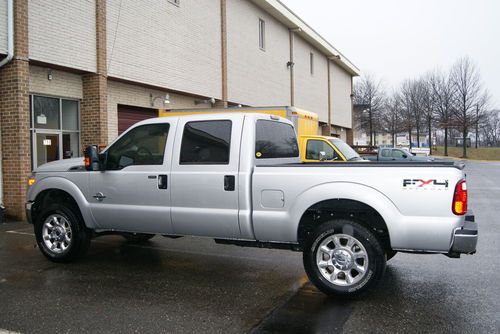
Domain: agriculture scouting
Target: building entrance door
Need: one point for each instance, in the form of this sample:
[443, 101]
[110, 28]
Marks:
[47, 147]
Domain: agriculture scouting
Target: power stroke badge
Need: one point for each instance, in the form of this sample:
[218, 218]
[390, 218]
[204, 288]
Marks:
[425, 184]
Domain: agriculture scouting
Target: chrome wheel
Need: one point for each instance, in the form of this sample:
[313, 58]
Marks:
[56, 233]
[342, 259]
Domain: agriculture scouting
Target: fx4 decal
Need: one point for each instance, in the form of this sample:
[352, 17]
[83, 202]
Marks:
[425, 184]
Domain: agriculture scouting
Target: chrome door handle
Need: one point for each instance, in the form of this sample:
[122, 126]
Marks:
[99, 196]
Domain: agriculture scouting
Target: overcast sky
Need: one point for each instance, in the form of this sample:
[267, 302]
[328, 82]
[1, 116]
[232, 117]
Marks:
[398, 39]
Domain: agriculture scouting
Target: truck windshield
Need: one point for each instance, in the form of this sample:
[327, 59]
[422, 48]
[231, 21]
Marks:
[345, 149]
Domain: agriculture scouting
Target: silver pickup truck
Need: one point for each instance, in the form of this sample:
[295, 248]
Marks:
[238, 178]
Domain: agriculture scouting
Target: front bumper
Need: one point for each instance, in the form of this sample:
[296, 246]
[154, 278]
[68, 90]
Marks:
[28, 207]
[465, 237]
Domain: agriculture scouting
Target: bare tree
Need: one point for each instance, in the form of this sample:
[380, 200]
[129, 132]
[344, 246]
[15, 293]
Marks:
[481, 114]
[418, 112]
[491, 128]
[443, 92]
[408, 113]
[391, 120]
[427, 105]
[469, 94]
[368, 91]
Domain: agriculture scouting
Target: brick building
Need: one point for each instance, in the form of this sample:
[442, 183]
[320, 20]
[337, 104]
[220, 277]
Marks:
[83, 71]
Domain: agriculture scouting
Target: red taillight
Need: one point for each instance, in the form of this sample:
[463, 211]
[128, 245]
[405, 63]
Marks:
[459, 206]
[87, 162]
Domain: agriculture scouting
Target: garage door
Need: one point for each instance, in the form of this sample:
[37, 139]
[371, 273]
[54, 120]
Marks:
[129, 115]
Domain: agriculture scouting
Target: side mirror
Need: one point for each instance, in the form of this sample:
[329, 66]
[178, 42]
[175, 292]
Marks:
[405, 156]
[92, 161]
[322, 156]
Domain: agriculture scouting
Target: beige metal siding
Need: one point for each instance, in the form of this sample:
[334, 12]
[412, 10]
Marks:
[3, 26]
[161, 44]
[311, 91]
[256, 77]
[63, 84]
[341, 97]
[63, 32]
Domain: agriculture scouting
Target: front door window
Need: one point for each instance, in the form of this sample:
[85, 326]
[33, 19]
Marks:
[314, 147]
[55, 129]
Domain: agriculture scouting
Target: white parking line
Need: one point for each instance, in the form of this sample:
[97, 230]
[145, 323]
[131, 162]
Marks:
[19, 232]
[4, 331]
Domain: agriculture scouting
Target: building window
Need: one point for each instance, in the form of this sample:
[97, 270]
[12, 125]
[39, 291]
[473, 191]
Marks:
[311, 62]
[262, 34]
[175, 2]
[55, 129]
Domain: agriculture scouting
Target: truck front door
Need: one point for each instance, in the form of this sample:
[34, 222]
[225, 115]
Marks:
[205, 177]
[133, 193]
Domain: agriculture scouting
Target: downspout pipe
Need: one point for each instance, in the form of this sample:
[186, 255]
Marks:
[10, 55]
[10, 33]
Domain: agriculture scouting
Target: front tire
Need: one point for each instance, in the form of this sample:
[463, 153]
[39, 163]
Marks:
[343, 258]
[61, 234]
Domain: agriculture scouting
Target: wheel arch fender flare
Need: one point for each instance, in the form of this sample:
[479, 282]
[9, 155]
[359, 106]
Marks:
[63, 184]
[347, 191]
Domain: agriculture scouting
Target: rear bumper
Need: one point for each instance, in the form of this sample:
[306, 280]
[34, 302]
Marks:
[465, 237]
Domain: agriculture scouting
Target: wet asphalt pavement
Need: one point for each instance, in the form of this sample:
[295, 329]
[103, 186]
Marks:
[193, 285]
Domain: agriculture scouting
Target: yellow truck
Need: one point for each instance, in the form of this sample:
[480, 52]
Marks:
[313, 147]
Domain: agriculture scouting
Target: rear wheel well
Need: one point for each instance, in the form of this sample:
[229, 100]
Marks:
[359, 212]
[50, 196]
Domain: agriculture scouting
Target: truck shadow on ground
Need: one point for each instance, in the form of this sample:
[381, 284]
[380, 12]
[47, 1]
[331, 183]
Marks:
[391, 306]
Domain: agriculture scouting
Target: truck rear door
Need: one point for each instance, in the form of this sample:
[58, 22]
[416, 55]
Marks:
[205, 176]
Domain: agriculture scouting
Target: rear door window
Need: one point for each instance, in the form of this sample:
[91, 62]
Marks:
[206, 143]
[275, 140]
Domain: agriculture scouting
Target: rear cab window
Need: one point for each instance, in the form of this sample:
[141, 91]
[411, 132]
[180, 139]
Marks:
[274, 140]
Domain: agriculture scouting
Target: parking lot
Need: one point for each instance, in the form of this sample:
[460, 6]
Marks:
[193, 285]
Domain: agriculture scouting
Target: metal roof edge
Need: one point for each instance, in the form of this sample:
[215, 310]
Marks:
[286, 16]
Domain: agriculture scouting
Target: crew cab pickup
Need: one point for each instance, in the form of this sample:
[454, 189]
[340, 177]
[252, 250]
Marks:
[238, 178]
[397, 154]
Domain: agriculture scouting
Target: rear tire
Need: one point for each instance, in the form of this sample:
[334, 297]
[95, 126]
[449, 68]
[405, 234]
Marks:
[343, 258]
[137, 237]
[61, 234]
